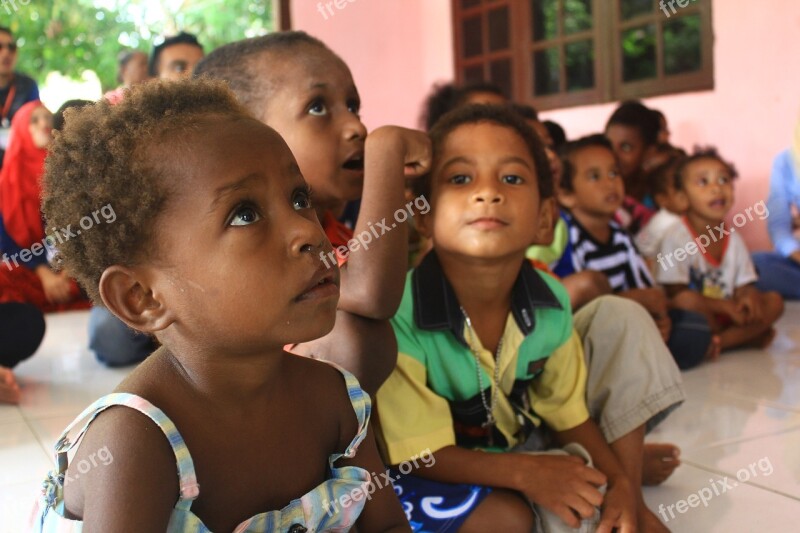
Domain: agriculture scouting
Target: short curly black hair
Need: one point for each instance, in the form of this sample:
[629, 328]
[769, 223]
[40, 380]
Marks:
[700, 153]
[569, 150]
[448, 96]
[182, 38]
[635, 114]
[501, 115]
[236, 63]
[114, 156]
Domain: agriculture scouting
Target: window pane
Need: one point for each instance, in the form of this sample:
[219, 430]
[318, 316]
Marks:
[473, 37]
[545, 19]
[473, 74]
[580, 65]
[470, 3]
[501, 75]
[577, 16]
[546, 72]
[498, 29]
[632, 8]
[683, 45]
[639, 53]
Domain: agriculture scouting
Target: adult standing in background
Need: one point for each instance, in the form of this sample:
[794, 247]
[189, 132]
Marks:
[176, 57]
[16, 89]
[780, 270]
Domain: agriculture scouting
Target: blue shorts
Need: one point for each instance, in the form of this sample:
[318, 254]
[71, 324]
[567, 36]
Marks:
[433, 507]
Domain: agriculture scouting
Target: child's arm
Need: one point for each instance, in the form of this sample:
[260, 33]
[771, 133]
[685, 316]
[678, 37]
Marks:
[619, 507]
[136, 489]
[713, 306]
[748, 301]
[372, 280]
[561, 484]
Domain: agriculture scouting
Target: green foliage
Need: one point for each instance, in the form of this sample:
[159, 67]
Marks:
[71, 36]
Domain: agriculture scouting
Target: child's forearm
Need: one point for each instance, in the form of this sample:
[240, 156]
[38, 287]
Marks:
[372, 281]
[589, 436]
[454, 464]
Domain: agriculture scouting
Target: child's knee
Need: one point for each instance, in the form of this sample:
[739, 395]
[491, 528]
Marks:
[773, 302]
[689, 301]
[502, 510]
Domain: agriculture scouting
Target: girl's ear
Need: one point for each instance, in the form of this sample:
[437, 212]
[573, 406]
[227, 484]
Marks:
[127, 294]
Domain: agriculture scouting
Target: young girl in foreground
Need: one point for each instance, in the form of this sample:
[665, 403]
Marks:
[215, 252]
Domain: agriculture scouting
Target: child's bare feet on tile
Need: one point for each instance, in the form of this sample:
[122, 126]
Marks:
[660, 461]
[714, 349]
[9, 389]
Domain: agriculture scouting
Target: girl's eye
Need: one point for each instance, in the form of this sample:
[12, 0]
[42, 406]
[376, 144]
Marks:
[626, 147]
[723, 180]
[461, 179]
[317, 108]
[703, 182]
[512, 179]
[354, 106]
[613, 174]
[302, 199]
[244, 216]
[594, 175]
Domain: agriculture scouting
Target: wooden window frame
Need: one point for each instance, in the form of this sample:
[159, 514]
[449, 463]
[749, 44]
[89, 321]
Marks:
[606, 30]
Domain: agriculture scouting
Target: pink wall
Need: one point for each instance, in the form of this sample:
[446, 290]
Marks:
[398, 48]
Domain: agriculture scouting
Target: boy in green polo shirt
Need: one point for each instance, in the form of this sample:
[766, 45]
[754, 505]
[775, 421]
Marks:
[488, 350]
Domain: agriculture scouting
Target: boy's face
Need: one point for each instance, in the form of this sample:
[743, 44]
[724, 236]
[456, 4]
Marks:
[485, 194]
[314, 105]
[597, 188]
[629, 148]
[178, 61]
[238, 254]
[708, 186]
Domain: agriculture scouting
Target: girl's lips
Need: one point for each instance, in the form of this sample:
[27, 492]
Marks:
[326, 289]
[488, 223]
[716, 204]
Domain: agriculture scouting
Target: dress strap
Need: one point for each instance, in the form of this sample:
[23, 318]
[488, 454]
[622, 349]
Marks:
[186, 475]
[362, 406]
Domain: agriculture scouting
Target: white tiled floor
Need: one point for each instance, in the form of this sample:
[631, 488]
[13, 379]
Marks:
[741, 411]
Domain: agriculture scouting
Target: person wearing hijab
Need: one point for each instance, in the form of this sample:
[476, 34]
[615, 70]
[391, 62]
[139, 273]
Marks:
[25, 275]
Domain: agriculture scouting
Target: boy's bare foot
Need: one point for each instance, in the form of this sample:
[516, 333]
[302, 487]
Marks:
[714, 349]
[660, 461]
[9, 389]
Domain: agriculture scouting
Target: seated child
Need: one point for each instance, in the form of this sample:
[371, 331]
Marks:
[592, 191]
[671, 206]
[295, 84]
[21, 332]
[488, 352]
[722, 273]
[215, 252]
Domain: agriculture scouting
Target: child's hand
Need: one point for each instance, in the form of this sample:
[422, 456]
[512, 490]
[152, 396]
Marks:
[415, 146]
[655, 301]
[562, 485]
[749, 304]
[619, 508]
[56, 286]
[732, 310]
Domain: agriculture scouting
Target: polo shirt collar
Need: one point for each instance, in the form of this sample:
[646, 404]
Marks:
[436, 307]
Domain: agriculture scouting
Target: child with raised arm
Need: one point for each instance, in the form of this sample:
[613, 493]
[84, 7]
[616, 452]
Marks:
[713, 262]
[489, 357]
[215, 252]
[293, 83]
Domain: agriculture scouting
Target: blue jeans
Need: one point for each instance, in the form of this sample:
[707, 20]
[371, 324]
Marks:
[689, 339]
[777, 273]
[114, 343]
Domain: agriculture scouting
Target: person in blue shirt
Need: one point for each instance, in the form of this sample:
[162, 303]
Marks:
[780, 270]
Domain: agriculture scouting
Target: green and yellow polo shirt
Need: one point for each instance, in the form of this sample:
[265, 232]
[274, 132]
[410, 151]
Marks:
[432, 398]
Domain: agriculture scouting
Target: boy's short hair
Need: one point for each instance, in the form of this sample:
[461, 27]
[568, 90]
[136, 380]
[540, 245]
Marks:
[181, 38]
[557, 133]
[635, 114]
[501, 115]
[525, 111]
[58, 117]
[6, 30]
[106, 156]
[699, 154]
[569, 150]
[448, 96]
[235, 62]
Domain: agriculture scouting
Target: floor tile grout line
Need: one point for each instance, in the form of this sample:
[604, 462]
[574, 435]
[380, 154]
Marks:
[733, 476]
[740, 440]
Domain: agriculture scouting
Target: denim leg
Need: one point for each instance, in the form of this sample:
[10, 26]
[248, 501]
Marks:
[21, 331]
[113, 342]
[777, 273]
[689, 338]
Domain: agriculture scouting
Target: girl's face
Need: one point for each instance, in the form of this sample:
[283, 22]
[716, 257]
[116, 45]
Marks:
[239, 246]
[629, 148]
[41, 127]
